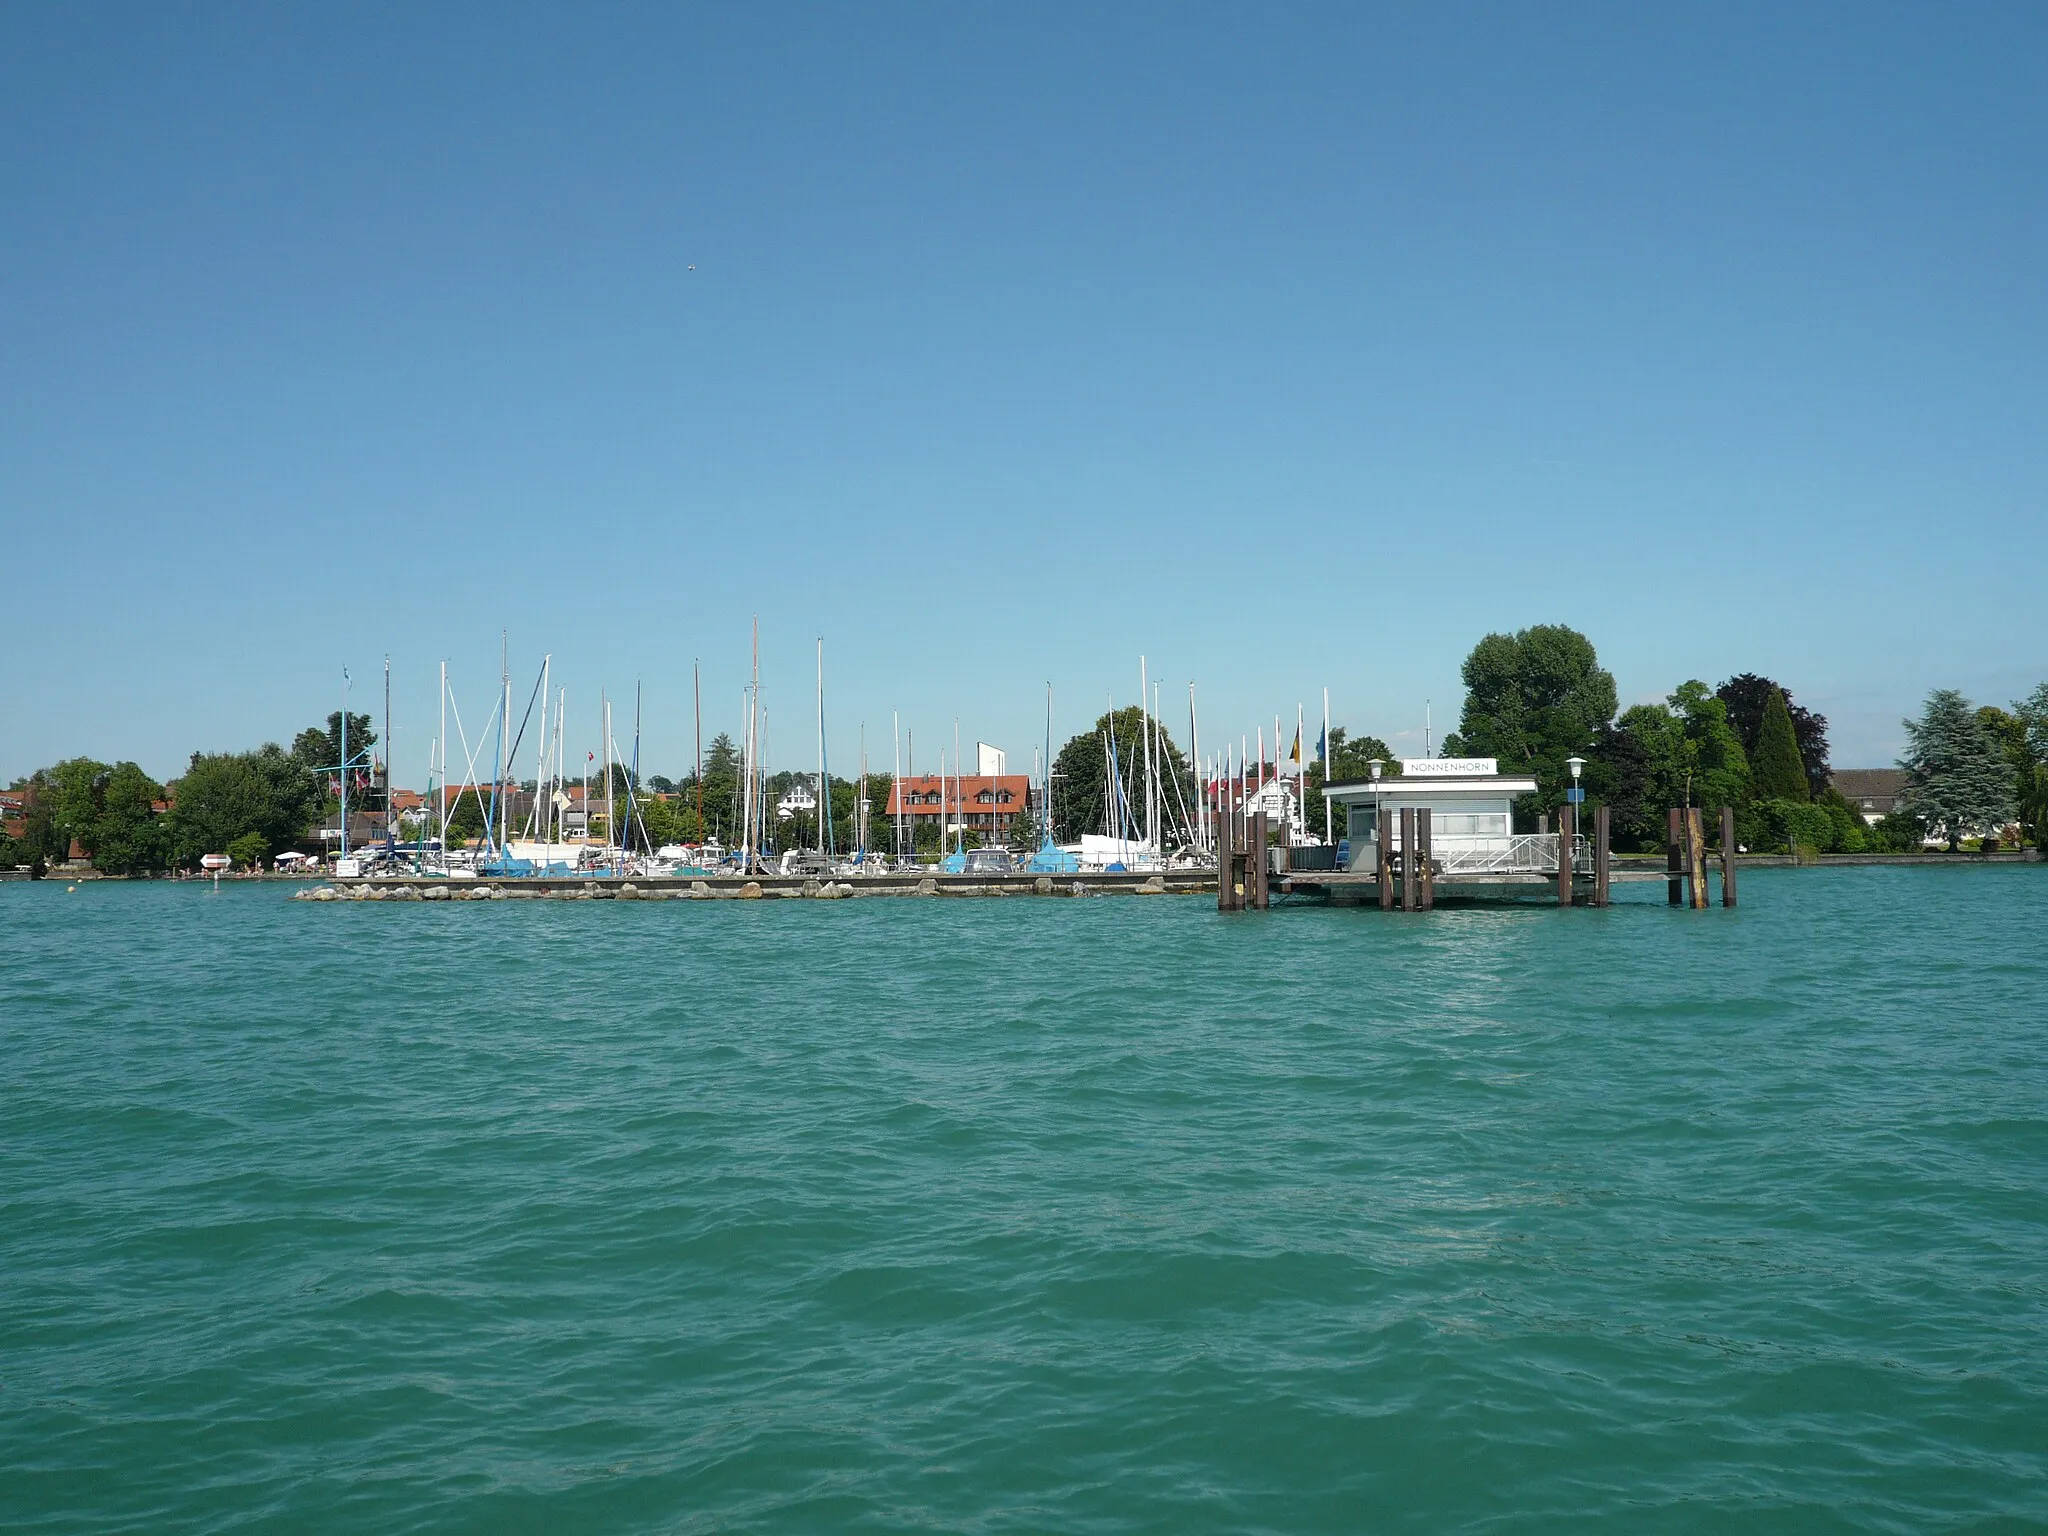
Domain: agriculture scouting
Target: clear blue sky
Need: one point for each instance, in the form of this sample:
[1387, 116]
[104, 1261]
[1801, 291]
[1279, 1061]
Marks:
[1019, 341]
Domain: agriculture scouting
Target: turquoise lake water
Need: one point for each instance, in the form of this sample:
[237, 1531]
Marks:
[1098, 1216]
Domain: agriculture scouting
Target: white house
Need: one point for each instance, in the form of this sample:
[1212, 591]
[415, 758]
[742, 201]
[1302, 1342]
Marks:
[1471, 821]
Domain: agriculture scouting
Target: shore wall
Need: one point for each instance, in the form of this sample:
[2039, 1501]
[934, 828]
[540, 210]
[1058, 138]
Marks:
[759, 887]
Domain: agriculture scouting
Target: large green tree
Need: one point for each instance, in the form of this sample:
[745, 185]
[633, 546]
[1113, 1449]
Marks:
[225, 796]
[1350, 759]
[1748, 696]
[72, 789]
[107, 809]
[128, 837]
[1080, 775]
[2032, 715]
[319, 747]
[1958, 779]
[1657, 756]
[1780, 772]
[1532, 700]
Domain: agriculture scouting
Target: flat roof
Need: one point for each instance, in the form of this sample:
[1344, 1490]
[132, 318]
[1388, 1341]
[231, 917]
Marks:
[1499, 784]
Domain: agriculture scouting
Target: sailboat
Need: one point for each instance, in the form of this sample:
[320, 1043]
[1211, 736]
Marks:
[1051, 859]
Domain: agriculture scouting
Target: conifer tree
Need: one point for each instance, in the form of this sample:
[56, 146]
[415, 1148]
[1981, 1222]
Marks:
[1780, 772]
[1957, 777]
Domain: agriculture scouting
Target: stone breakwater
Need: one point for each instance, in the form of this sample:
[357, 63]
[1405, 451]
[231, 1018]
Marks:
[728, 888]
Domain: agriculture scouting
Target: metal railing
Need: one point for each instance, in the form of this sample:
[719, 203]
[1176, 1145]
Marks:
[1522, 853]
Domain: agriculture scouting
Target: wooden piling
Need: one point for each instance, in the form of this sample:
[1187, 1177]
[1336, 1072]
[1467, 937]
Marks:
[1258, 880]
[1425, 872]
[1226, 856]
[1602, 856]
[1566, 827]
[1727, 855]
[1386, 863]
[1696, 858]
[1674, 870]
[1407, 858]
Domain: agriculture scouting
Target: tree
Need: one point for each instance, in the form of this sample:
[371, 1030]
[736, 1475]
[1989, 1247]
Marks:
[466, 817]
[226, 795]
[1624, 774]
[721, 792]
[1780, 772]
[249, 850]
[126, 837]
[108, 810]
[1852, 833]
[2034, 807]
[40, 842]
[1080, 775]
[1957, 778]
[319, 748]
[1349, 760]
[1679, 753]
[1747, 695]
[2032, 715]
[1532, 700]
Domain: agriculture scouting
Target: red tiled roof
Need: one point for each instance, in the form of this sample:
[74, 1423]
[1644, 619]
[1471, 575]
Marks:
[926, 794]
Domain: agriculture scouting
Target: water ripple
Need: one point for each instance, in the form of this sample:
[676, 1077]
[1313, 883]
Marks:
[1090, 1216]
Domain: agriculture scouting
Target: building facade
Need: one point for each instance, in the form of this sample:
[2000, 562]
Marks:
[987, 803]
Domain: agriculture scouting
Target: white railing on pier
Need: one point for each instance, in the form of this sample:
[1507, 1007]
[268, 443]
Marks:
[1522, 853]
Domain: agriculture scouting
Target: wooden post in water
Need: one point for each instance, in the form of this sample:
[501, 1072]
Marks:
[1674, 871]
[1565, 829]
[1425, 875]
[1727, 855]
[1601, 855]
[1386, 863]
[1256, 878]
[1407, 858]
[1226, 856]
[1696, 858]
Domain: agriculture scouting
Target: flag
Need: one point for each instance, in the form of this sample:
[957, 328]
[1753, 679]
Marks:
[1323, 744]
[1294, 752]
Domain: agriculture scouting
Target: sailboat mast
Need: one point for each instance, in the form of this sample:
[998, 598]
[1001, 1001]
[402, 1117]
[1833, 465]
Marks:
[444, 760]
[824, 805]
[1045, 779]
[697, 710]
[344, 762]
[503, 764]
[633, 817]
[1145, 739]
[746, 773]
[540, 753]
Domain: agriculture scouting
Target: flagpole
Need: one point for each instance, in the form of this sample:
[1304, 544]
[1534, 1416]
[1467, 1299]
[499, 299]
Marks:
[1326, 767]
